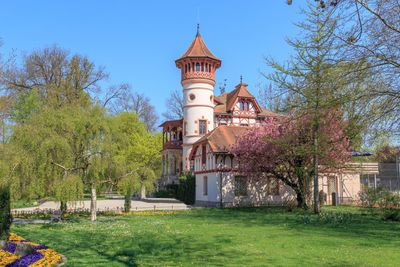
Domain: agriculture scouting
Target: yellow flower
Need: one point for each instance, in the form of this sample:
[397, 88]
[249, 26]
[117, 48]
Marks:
[13, 237]
[7, 257]
[51, 258]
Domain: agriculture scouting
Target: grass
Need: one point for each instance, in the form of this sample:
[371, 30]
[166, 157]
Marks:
[24, 204]
[225, 237]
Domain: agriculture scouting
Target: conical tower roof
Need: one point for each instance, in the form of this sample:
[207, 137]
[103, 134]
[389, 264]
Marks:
[198, 49]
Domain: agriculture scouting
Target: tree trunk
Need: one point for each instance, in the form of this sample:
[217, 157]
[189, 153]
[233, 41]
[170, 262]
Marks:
[317, 209]
[142, 192]
[301, 201]
[93, 202]
[128, 201]
[63, 209]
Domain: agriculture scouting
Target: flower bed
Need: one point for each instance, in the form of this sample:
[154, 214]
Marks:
[150, 213]
[42, 256]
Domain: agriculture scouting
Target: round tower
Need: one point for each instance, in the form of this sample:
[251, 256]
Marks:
[198, 66]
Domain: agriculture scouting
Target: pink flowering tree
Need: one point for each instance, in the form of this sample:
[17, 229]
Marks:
[283, 148]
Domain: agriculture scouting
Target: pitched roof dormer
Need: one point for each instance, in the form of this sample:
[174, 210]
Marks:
[240, 92]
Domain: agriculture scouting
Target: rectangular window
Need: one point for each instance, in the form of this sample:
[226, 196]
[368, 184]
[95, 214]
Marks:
[205, 185]
[202, 126]
[240, 185]
[203, 154]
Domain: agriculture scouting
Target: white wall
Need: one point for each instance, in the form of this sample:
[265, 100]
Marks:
[200, 108]
[257, 193]
[213, 187]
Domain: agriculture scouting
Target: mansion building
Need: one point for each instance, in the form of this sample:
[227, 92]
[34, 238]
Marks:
[200, 141]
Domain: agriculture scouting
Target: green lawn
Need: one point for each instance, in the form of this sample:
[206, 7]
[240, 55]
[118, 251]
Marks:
[227, 237]
[24, 204]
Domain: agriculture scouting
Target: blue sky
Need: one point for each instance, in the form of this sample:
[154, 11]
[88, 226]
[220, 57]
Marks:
[138, 41]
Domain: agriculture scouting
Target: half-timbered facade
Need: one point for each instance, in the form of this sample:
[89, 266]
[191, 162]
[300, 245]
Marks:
[200, 141]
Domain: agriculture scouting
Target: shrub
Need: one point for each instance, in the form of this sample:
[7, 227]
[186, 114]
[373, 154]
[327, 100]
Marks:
[392, 215]
[170, 190]
[379, 197]
[187, 189]
[369, 197]
[5, 212]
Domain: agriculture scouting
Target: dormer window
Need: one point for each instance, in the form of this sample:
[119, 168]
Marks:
[244, 105]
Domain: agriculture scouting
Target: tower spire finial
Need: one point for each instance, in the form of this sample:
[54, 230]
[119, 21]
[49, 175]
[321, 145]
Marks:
[241, 79]
[198, 29]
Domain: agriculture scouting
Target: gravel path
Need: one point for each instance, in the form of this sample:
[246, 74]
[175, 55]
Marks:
[113, 204]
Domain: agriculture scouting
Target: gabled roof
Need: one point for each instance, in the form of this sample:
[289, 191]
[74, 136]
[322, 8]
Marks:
[242, 92]
[220, 139]
[226, 101]
[198, 49]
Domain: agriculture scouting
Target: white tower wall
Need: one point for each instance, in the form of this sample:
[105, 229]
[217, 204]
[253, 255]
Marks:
[199, 108]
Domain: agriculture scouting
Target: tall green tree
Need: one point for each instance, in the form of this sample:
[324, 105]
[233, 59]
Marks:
[135, 154]
[313, 78]
[58, 151]
[58, 127]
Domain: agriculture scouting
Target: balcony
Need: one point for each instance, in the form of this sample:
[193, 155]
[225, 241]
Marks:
[174, 144]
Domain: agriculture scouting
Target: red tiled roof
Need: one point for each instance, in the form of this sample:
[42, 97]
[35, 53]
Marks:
[226, 101]
[240, 91]
[220, 139]
[198, 49]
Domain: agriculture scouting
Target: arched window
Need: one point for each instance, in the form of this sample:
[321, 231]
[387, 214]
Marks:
[241, 105]
[197, 67]
[186, 68]
[246, 106]
[188, 65]
[202, 66]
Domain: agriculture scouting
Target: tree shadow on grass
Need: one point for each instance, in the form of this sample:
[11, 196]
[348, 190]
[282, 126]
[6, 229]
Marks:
[149, 241]
[357, 225]
[145, 248]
